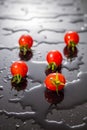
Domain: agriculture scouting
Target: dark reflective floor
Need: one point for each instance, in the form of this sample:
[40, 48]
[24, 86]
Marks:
[30, 105]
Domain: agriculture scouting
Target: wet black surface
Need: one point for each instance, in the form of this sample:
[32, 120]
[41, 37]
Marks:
[33, 107]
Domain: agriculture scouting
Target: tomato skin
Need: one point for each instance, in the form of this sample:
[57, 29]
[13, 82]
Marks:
[54, 56]
[19, 68]
[26, 40]
[50, 85]
[71, 36]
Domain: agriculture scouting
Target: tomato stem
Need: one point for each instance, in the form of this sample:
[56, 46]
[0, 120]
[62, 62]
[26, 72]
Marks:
[24, 49]
[56, 82]
[52, 66]
[17, 79]
[72, 45]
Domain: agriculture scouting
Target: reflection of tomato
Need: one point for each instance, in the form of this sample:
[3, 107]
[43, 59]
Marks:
[26, 57]
[52, 97]
[55, 81]
[21, 86]
[49, 70]
[69, 53]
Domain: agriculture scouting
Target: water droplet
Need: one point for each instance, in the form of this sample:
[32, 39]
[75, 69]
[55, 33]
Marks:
[1, 96]
[1, 87]
[17, 126]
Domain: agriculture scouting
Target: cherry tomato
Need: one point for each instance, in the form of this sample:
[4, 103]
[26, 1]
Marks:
[71, 36]
[71, 39]
[25, 42]
[55, 81]
[19, 70]
[54, 58]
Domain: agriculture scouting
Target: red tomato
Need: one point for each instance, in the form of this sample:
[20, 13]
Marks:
[26, 40]
[71, 37]
[54, 56]
[25, 43]
[19, 68]
[55, 81]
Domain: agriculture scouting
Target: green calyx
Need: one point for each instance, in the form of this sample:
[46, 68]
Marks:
[72, 45]
[52, 66]
[17, 79]
[24, 49]
[56, 82]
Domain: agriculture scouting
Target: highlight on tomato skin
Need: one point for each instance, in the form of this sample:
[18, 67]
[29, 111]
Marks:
[19, 70]
[55, 81]
[54, 59]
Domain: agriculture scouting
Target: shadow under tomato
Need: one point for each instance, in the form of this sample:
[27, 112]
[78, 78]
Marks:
[21, 86]
[26, 57]
[48, 71]
[69, 53]
[52, 97]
